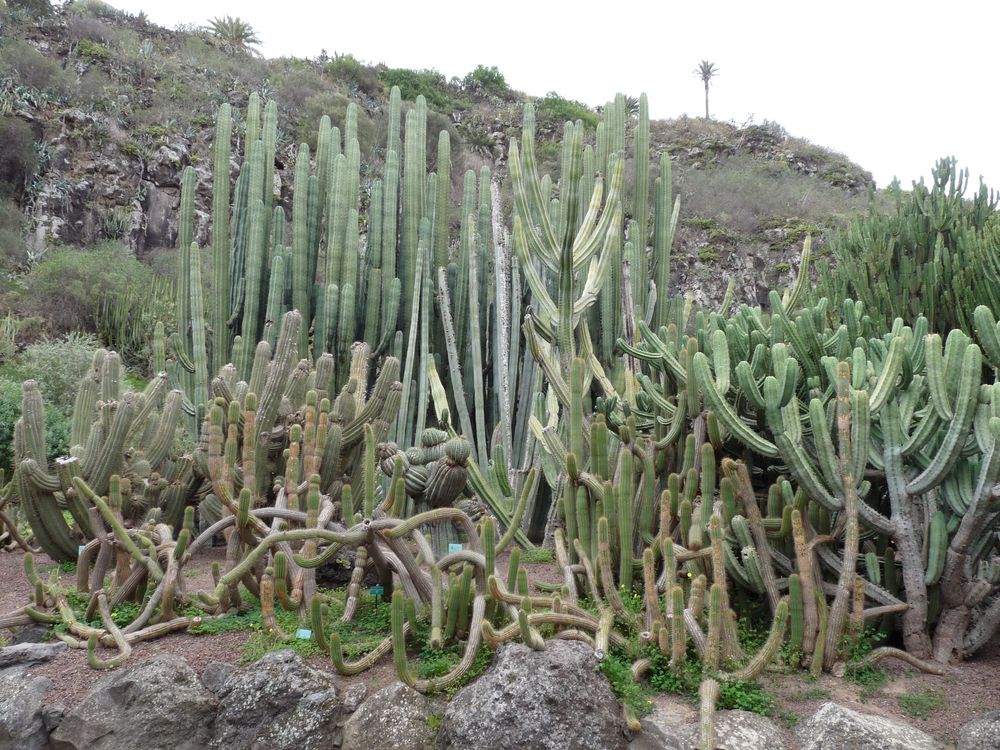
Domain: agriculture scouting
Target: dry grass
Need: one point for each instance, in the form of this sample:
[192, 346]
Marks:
[742, 193]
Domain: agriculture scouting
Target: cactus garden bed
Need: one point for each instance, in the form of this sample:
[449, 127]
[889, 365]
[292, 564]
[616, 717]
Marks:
[723, 494]
[968, 691]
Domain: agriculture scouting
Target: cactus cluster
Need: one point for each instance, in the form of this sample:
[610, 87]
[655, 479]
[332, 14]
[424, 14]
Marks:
[450, 312]
[913, 472]
[697, 460]
[933, 254]
[114, 433]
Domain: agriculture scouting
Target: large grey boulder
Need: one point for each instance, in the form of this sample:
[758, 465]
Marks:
[834, 727]
[29, 654]
[656, 737]
[152, 705]
[664, 728]
[24, 722]
[395, 718]
[737, 730]
[544, 700]
[277, 703]
[33, 633]
[982, 733]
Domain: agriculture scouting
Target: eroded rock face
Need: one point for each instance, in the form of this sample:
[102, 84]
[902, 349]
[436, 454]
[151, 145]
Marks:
[394, 718]
[156, 704]
[982, 733]
[834, 727]
[24, 722]
[278, 702]
[550, 700]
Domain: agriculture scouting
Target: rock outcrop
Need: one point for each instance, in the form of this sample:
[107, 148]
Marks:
[550, 700]
[835, 727]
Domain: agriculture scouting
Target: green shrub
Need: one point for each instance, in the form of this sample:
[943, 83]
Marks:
[698, 222]
[57, 425]
[555, 110]
[29, 67]
[65, 286]
[537, 555]
[18, 159]
[130, 149]
[12, 246]
[739, 191]
[413, 83]
[57, 365]
[93, 51]
[357, 76]
[335, 105]
[629, 693]
[745, 696]
[34, 8]
[94, 9]
[8, 337]
[870, 679]
[489, 80]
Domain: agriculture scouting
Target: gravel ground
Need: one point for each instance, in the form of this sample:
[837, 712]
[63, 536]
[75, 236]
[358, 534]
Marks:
[966, 691]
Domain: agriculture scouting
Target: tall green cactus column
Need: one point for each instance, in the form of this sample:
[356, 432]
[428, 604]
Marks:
[220, 237]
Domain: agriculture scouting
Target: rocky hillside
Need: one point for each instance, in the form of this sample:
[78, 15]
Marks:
[100, 111]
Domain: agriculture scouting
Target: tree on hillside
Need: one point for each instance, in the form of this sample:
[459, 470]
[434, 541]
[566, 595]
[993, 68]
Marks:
[235, 35]
[706, 71]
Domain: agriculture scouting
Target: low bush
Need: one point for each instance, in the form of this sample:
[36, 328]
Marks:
[57, 365]
[413, 83]
[33, 8]
[65, 286]
[487, 79]
[95, 9]
[740, 190]
[12, 246]
[93, 51]
[18, 159]
[335, 105]
[88, 27]
[57, 425]
[356, 75]
[29, 67]
[555, 110]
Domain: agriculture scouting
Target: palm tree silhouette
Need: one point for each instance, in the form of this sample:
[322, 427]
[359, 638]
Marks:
[706, 71]
[235, 35]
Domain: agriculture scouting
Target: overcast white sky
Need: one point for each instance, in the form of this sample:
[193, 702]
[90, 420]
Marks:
[894, 85]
